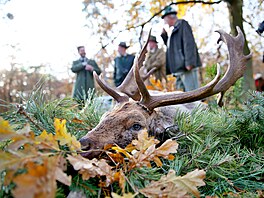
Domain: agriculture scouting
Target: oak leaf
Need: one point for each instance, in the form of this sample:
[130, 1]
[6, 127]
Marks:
[144, 141]
[92, 168]
[171, 185]
[168, 147]
[146, 151]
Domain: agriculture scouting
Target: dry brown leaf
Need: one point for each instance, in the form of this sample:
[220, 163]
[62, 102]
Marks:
[122, 181]
[125, 195]
[144, 141]
[62, 177]
[171, 185]
[168, 147]
[146, 151]
[13, 160]
[92, 168]
[116, 157]
[76, 120]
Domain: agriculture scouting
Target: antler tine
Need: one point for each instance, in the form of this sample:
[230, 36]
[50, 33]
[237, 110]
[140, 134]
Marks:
[234, 72]
[129, 80]
[145, 77]
[145, 96]
[109, 90]
[237, 59]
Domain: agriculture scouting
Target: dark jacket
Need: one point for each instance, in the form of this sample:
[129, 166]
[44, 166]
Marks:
[182, 50]
[84, 78]
[121, 68]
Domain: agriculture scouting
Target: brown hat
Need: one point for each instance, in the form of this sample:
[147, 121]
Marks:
[153, 38]
[123, 44]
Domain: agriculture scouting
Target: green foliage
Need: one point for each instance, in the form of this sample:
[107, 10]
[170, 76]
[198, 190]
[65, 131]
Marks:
[250, 121]
[228, 144]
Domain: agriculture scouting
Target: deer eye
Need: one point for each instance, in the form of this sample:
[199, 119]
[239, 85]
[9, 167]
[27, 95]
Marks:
[136, 127]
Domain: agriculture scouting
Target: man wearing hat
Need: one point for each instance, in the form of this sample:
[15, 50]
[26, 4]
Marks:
[156, 58]
[182, 58]
[123, 63]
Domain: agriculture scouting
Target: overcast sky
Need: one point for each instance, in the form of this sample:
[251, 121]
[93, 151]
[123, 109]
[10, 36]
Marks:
[45, 31]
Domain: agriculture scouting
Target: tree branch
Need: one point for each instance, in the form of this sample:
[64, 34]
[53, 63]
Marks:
[173, 3]
[156, 14]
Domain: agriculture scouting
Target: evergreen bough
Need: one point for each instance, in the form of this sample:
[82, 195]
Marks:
[227, 143]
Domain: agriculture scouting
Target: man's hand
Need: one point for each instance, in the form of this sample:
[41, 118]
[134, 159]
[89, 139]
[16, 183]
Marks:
[189, 67]
[89, 67]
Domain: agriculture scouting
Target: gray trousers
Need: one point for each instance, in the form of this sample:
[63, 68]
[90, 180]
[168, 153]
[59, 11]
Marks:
[188, 80]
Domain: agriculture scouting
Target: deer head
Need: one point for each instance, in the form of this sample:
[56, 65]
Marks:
[137, 109]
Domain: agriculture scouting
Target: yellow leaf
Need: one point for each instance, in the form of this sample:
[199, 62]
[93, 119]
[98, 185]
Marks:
[120, 150]
[45, 140]
[6, 132]
[64, 137]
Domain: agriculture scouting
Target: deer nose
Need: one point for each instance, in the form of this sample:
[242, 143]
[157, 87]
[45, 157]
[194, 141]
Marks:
[86, 143]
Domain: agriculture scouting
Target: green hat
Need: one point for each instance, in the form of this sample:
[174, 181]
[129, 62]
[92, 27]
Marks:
[169, 10]
[153, 38]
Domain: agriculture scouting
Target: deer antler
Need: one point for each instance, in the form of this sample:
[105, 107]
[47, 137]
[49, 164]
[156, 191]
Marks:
[234, 72]
[112, 92]
[128, 86]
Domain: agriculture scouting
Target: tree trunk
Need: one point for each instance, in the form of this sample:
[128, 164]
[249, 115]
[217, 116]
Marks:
[236, 19]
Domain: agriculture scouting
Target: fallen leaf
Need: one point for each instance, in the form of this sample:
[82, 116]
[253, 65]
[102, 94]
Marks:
[92, 168]
[62, 177]
[171, 185]
[168, 147]
[38, 181]
[144, 141]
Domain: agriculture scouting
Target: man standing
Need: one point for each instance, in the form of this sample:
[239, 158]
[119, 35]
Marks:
[123, 63]
[156, 58]
[182, 58]
[84, 68]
